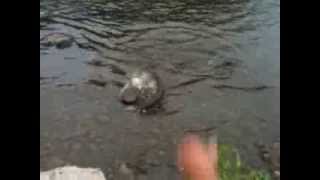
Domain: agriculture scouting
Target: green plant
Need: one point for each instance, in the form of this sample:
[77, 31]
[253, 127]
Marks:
[232, 168]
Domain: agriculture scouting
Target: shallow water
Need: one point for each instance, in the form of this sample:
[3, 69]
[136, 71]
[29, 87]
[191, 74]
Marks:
[234, 43]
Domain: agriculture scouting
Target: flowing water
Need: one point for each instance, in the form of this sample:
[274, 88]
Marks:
[228, 49]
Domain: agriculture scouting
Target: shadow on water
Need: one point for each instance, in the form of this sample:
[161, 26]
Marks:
[219, 60]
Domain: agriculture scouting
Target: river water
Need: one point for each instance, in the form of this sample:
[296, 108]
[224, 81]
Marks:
[231, 48]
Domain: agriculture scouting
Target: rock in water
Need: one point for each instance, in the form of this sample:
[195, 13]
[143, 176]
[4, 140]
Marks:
[125, 173]
[143, 89]
[60, 40]
[72, 173]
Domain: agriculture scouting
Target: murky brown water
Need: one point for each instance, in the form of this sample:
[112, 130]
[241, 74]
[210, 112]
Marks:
[233, 43]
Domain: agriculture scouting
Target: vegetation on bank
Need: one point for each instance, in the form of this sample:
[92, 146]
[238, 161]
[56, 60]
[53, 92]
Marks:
[232, 168]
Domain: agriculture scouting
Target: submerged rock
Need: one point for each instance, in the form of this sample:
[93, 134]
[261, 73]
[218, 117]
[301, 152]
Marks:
[59, 40]
[72, 173]
[125, 173]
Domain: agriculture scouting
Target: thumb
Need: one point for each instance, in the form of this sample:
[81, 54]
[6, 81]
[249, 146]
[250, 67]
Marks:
[194, 160]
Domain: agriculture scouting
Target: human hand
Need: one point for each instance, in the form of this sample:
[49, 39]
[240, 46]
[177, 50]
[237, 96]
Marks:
[197, 161]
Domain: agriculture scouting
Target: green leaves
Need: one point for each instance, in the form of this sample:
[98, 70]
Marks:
[231, 167]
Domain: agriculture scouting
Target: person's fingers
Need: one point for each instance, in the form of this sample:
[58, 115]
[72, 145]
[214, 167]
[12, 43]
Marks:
[192, 153]
[193, 159]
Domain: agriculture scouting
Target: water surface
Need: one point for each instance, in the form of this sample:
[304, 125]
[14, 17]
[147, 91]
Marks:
[230, 42]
